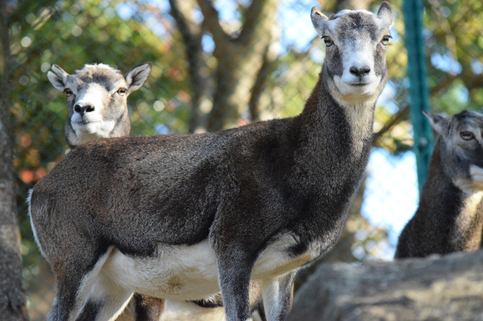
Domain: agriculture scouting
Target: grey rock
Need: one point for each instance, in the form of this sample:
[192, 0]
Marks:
[435, 288]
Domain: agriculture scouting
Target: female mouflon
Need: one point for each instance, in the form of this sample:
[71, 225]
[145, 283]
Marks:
[97, 107]
[184, 216]
[450, 213]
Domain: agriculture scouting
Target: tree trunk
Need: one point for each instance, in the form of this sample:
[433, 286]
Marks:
[232, 87]
[12, 303]
[240, 64]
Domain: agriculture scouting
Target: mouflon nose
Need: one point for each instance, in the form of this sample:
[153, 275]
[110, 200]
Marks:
[82, 109]
[360, 72]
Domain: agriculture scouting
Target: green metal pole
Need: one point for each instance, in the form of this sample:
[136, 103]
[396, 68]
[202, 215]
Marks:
[418, 86]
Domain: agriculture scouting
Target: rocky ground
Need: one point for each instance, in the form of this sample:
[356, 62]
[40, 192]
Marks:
[436, 288]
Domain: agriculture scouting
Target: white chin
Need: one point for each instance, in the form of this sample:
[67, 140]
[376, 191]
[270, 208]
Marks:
[366, 90]
[349, 89]
[89, 128]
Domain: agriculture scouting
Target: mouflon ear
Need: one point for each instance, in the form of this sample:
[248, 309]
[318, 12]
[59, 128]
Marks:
[318, 20]
[136, 77]
[386, 14]
[58, 77]
[439, 123]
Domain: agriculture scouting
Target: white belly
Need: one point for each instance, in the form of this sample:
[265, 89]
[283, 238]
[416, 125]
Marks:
[177, 272]
[191, 272]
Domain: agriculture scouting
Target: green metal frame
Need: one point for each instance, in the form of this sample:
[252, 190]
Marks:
[418, 86]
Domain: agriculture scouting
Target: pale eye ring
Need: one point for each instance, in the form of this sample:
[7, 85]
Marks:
[385, 39]
[68, 91]
[122, 91]
[328, 42]
[467, 135]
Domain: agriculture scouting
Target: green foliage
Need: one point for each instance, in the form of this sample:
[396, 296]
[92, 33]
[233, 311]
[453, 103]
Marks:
[454, 99]
[291, 83]
[454, 46]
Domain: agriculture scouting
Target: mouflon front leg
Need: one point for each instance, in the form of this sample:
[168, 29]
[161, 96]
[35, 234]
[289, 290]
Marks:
[235, 269]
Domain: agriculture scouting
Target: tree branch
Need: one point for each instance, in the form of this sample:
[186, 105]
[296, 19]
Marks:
[396, 119]
[352, 4]
[471, 80]
[258, 86]
[192, 34]
[212, 22]
[184, 25]
[255, 24]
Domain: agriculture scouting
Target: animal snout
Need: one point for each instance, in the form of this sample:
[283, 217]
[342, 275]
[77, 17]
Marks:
[360, 71]
[84, 108]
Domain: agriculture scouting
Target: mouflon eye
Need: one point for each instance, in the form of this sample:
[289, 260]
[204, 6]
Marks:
[385, 39]
[467, 135]
[122, 91]
[68, 91]
[328, 42]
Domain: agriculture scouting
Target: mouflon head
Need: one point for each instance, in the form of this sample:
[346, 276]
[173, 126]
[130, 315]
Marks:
[97, 96]
[461, 146]
[356, 43]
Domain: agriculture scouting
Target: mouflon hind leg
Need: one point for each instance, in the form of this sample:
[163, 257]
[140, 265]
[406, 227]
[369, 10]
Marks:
[145, 308]
[277, 296]
[73, 287]
[106, 300]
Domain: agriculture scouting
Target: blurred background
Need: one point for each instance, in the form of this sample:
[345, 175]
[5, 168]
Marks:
[219, 64]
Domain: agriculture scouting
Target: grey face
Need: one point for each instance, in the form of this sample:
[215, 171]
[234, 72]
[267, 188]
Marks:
[461, 139]
[356, 43]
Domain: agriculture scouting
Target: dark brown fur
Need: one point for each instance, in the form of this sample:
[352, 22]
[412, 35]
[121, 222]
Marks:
[242, 189]
[441, 224]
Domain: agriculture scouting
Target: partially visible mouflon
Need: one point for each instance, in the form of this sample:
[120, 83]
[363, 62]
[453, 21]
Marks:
[450, 213]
